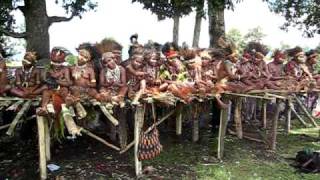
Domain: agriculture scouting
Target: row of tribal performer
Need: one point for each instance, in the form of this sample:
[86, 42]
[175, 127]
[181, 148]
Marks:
[150, 71]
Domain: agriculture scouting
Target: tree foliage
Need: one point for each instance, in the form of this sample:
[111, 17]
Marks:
[167, 8]
[304, 14]
[170, 8]
[8, 22]
[255, 34]
[235, 36]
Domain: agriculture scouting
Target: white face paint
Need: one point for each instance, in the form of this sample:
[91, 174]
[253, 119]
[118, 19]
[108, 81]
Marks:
[301, 58]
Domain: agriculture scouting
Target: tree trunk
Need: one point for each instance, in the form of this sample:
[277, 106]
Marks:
[216, 24]
[197, 30]
[197, 25]
[37, 26]
[175, 37]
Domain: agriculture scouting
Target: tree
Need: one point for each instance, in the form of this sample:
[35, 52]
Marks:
[235, 36]
[200, 13]
[304, 14]
[37, 21]
[173, 9]
[216, 18]
[255, 34]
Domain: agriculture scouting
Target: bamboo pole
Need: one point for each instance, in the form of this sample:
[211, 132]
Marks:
[237, 117]
[99, 139]
[15, 121]
[304, 109]
[275, 126]
[298, 116]
[82, 113]
[15, 105]
[276, 96]
[288, 117]
[179, 119]
[112, 119]
[264, 114]
[195, 123]
[4, 126]
[42, 147]
[138, 124]
[246, 137]
[71, 126]
[47, 138]
[17, 99]
[222, 131]
[148, 130]
[249, 96]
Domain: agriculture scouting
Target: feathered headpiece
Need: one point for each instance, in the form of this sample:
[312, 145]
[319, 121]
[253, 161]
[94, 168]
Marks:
[294, 52]
[58, 54]
[257, 49]
[30, 57]
[108, 45]
[170, 49]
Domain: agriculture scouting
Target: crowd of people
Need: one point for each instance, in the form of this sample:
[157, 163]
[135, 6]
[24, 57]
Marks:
[100, 73]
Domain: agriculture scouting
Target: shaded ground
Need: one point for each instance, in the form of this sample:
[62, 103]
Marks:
[85, 158]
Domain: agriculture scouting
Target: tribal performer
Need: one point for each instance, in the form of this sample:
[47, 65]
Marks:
[57, 81]
[261, 76]
[276, 67]
[27, 78]
[228, 76]
[312, 60]
[136, 78]
[152, 68]
[84, 82]
[112, 80]
[175, 75]
[297, 70]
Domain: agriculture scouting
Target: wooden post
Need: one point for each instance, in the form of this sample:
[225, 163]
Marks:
[195, 123]
[42, 147]
[179, 120]
[138, 124]
[275, 126]
[288, 118]
[47, 138]
[112, 119]
[222, 131]
[264, 114]
[237, 117]
[123, 128]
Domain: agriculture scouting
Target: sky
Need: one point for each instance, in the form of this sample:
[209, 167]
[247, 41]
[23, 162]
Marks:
[120, 18]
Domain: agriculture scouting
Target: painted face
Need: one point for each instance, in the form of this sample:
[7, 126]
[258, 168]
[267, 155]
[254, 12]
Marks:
[301, 58]
[109, 62]
[152, 60]
[313, 59]
[26, 63]
[57, 56]
[137, 62]
[117, 56]
[233, 57]
[280, 58]
[84, 57]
